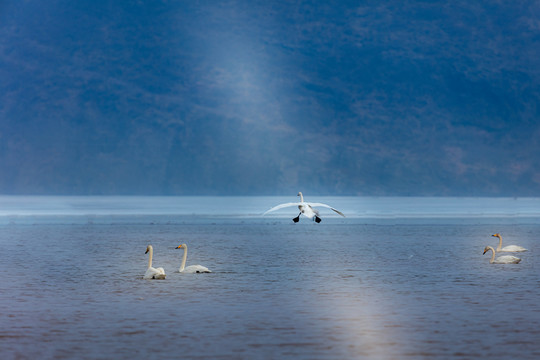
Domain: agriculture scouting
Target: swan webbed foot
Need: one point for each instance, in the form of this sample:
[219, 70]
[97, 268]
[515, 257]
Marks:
[317, 219]
[296, 219]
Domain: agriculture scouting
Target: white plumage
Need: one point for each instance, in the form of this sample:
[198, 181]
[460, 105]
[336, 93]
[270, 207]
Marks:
[192, 269]
[306, 209]
[509, 248]
[506, 259]
[153, 273]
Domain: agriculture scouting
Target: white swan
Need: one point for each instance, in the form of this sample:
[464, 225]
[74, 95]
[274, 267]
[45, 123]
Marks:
[509, 248]
[153, 273]
[305, 208]
[506, 259]
[192, 269]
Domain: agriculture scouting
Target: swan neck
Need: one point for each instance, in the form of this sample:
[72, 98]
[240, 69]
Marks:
[150, 254]
[492, 255]
[500, 243]
[184, 258]
[301, 197]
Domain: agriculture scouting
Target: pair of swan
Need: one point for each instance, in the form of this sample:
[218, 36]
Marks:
[305, 208]
[506, 259]
[159, 273]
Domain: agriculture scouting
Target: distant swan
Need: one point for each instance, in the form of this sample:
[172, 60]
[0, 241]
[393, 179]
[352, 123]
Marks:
[153, 273]
[509, 248]
[305, 208]
[192, 269]
[506, 259]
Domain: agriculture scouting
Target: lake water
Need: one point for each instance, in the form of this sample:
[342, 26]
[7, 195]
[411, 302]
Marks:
[399, 278]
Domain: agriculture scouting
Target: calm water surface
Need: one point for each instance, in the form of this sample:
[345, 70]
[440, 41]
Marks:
[376, 285]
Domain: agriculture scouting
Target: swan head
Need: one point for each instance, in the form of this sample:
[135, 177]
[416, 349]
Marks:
[148, 248]
[486, 249]
[183, 246]
[496, 235]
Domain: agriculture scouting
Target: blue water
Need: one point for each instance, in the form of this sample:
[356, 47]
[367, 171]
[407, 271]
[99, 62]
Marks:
[397, 278]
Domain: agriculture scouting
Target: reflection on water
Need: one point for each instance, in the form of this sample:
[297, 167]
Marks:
[345, 288]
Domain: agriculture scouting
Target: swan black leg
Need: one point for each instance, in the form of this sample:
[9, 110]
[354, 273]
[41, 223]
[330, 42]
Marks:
[296, 218]
[317, 219]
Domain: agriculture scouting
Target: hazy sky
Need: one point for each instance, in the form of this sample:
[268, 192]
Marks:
[270, 97]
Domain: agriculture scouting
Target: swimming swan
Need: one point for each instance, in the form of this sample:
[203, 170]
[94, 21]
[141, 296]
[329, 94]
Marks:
[506, 259]
[509, 248]
[192, 269]
[305, 208]
[153, 273]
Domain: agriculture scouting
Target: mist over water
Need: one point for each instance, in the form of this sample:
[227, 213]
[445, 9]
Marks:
[255, 206]
[397, 278]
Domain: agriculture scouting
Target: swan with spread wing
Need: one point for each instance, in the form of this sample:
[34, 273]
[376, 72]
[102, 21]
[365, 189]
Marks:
[306, 208]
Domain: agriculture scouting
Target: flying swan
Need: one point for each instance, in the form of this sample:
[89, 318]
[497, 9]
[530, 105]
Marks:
[509, 248]
[153, 273]
[506, 259]
[305, 208]
[192, 269]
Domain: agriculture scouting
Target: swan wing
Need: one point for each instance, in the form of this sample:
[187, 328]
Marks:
[193, 269]
[281, 206]
[507, 259]
[326, 206]
[153, 273]
[513, 248]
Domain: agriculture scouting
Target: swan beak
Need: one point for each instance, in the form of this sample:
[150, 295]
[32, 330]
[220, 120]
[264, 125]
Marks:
[146, 252]
[494, 235]
[484, 252]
